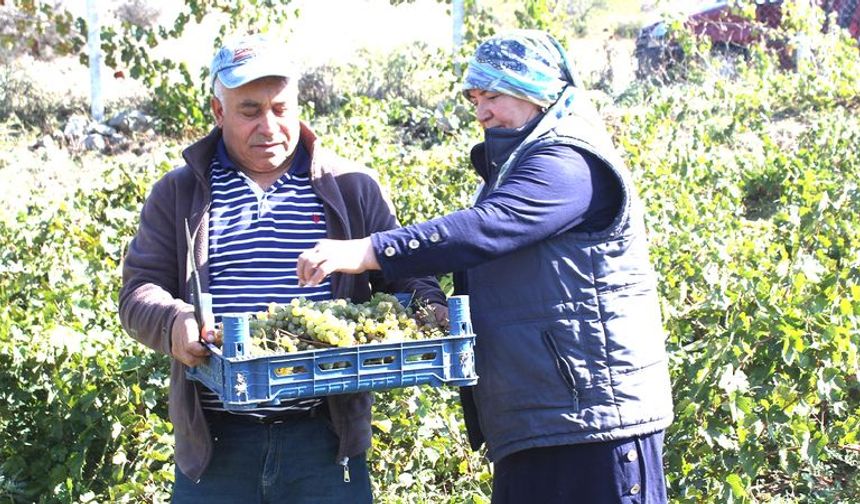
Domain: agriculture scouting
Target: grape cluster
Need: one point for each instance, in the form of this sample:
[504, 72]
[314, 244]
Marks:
[307, 325]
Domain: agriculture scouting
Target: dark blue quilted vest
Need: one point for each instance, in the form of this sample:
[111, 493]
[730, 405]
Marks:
[570, 346]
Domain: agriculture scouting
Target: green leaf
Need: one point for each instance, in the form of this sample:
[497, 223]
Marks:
[737, 485]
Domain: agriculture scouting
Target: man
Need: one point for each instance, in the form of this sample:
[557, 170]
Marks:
[256, 191]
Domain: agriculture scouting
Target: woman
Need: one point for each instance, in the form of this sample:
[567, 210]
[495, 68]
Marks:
[574, 392]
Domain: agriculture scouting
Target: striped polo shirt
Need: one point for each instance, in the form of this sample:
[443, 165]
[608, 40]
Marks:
[255, 238]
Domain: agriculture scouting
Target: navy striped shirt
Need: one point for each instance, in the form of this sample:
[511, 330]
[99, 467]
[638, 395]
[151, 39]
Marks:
[255, 238]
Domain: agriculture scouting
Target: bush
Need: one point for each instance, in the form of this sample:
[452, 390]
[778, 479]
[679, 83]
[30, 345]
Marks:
[420, 452]
[82, 411]
[627, 29]
[755, 239]
[23, 102]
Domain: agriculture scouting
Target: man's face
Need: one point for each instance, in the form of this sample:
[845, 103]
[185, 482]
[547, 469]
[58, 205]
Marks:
[260, 123]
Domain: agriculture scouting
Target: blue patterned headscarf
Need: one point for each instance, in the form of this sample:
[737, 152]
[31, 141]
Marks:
[533, 66]
[526, 64]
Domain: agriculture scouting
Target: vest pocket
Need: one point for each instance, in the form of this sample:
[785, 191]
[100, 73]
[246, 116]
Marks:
[563, 368]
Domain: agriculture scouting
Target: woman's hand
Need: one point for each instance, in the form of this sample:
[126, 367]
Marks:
[329, 256]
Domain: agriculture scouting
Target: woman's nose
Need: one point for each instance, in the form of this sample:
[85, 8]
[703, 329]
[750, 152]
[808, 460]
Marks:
[482, 112]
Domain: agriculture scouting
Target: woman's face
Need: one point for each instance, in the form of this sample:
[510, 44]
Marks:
[497, 110]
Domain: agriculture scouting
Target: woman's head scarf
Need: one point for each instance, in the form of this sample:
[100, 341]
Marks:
[526, 64]
[533, 66]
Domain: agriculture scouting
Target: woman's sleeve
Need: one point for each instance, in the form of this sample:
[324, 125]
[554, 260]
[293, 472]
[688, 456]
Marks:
[550, 192]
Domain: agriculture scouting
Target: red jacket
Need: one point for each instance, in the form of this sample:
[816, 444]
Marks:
[156, 281]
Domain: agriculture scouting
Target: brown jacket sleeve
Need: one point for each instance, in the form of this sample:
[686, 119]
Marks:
[150, 298]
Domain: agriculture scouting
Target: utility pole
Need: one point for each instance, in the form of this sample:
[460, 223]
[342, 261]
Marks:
[94, 43]
[457, 14]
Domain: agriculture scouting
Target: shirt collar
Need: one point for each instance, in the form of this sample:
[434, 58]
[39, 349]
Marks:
[222, 157]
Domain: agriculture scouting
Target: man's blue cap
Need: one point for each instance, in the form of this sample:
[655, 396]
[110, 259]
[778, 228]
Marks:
[249, 58]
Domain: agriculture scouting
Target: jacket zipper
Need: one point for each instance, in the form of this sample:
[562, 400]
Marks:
[326, 199]
[336, 278]
[345, 463]
[199, 216]
[563, 367]
[196, 235]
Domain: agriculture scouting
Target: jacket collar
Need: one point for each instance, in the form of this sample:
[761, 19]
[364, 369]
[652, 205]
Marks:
[199, 155]
[499, 143]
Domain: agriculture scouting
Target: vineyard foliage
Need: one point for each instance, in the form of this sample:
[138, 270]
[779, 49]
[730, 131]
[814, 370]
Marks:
[750, 179]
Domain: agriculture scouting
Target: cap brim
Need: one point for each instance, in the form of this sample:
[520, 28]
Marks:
[257, 68]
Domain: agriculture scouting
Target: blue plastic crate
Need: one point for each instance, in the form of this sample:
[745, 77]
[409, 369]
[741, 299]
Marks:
[252, 382]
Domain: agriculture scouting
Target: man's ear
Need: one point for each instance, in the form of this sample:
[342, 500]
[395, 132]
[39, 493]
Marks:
[217, 110]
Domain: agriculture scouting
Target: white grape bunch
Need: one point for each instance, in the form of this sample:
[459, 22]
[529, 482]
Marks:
[306, 325]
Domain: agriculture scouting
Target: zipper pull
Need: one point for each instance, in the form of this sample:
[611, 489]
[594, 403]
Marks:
[344, 462]
[575, 400]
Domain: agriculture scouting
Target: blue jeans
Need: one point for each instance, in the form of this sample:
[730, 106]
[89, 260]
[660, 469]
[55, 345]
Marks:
[290, 462]
[626, 471]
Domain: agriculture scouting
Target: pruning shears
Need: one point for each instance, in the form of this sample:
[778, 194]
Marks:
[198, 299]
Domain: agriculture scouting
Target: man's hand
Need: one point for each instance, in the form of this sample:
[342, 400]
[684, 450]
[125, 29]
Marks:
[185, 339]
[329, 256]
